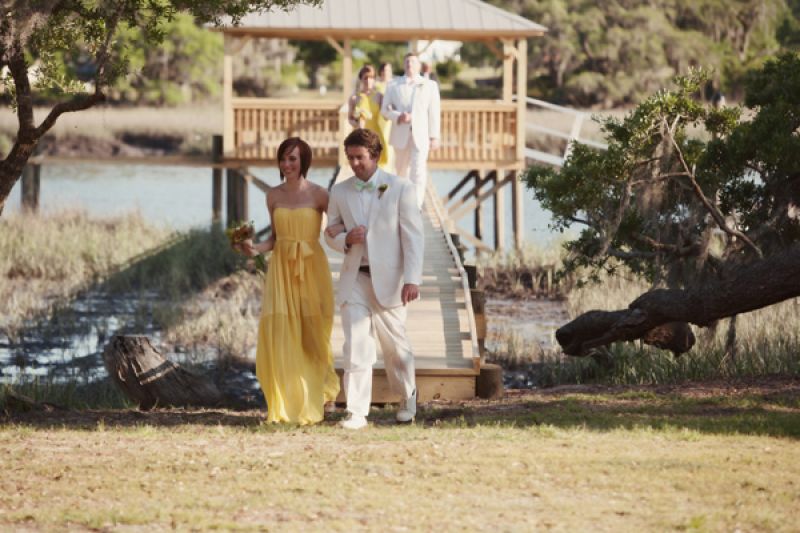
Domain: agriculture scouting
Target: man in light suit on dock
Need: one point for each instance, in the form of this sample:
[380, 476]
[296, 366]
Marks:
[412, 103]
[383, 243]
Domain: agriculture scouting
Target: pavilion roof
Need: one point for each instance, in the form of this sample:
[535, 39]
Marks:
[389, 20]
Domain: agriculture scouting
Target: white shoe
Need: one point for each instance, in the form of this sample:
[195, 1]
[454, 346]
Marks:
[354, 422]
[408, 409]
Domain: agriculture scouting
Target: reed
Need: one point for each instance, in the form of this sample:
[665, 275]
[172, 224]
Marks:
[69, 283]
[531, 271]
[46, 259]
[767, 341]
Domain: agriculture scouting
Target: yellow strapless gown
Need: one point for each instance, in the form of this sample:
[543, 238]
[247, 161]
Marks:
[370, 111]
[294, 362]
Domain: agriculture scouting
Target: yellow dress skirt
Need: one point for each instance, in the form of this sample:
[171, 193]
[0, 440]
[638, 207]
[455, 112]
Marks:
[294, 362]
[369, 110]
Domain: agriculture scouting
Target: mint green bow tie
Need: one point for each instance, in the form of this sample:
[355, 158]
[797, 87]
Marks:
[364, 186]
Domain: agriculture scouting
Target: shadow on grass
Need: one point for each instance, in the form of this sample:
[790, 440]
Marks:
[773, 413]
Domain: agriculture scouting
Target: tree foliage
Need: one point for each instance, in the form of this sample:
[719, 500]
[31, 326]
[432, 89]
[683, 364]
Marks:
[183, 68]
[36, 36]
[685, 191]
[317, 55]
[617, 52]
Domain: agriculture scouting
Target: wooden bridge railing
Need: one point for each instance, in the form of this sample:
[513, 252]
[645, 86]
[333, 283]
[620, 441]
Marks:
[261, 124]
[482, 132]
[475, 133]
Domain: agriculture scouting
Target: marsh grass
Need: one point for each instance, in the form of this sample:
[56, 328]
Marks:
[767, 340]
[106, 122]
[65, 276]
[530, 271]
[44, 260]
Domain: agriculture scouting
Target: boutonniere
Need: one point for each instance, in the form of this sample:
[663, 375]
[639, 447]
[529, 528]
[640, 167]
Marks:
[382, 189]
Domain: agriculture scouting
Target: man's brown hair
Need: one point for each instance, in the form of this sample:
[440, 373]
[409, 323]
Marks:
[366, 138]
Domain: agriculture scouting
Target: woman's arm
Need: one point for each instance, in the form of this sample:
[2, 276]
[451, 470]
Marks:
[251, 249]
[351, 107]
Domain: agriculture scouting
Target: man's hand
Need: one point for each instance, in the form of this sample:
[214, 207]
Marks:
[357, 235]
[404, 118]
[409, 293]
[434, 144]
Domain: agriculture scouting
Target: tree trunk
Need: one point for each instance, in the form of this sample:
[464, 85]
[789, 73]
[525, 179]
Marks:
[150, 380]
[668, 311]
[11, 169]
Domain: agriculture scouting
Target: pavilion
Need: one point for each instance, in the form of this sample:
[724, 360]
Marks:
[484, 138]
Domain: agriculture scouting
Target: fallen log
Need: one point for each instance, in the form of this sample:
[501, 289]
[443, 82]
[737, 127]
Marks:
[22, 404]
[150, 380]
[661, 317]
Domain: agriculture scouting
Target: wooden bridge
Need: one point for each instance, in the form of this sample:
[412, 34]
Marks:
[485, 138]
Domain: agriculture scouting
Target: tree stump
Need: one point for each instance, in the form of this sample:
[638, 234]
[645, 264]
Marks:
[489, 383]
[150, 380]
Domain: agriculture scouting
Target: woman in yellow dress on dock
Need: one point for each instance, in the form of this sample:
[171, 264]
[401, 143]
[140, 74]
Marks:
[365, 112]
[294, 361]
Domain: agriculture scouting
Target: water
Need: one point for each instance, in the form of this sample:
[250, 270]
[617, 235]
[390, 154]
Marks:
[180, 197]
[172, 196]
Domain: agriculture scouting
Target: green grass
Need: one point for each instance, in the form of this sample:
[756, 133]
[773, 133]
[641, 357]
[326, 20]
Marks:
[101, 394]
[624, 460]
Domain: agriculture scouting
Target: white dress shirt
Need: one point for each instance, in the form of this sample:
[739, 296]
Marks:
[365, 199]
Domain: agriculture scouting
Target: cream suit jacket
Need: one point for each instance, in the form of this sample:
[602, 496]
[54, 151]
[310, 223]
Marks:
[425, 113]
[395, 240]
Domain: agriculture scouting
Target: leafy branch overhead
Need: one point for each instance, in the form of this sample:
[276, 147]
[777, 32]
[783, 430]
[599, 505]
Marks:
[36, 36]
[686, 194]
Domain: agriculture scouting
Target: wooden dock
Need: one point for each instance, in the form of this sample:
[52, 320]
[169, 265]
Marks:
[440, 325]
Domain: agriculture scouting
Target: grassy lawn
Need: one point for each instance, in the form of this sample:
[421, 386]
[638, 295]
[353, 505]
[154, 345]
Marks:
[700, 458]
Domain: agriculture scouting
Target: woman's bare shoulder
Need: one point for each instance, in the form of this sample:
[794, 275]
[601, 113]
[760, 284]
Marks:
[320, 194]
[275, 193]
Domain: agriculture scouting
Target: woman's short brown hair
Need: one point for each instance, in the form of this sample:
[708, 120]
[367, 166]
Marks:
[366, 138]
[303, 149]
[366, 69]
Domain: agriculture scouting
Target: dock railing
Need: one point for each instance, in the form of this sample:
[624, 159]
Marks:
[572, 136]
[474, 133]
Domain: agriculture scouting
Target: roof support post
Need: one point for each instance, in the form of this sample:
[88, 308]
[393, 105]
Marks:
[522, 93]
[227, 99]
[346, 51]
[232, 45]
[347, 70]
[509, 53]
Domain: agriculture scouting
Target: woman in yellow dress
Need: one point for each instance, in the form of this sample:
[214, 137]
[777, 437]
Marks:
[294, 362]
[365, 112]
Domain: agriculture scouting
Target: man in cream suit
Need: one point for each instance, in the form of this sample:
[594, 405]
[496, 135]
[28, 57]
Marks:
[412, 104]
[381, 273]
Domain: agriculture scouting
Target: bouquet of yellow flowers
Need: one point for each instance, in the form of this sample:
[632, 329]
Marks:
[237, 235]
